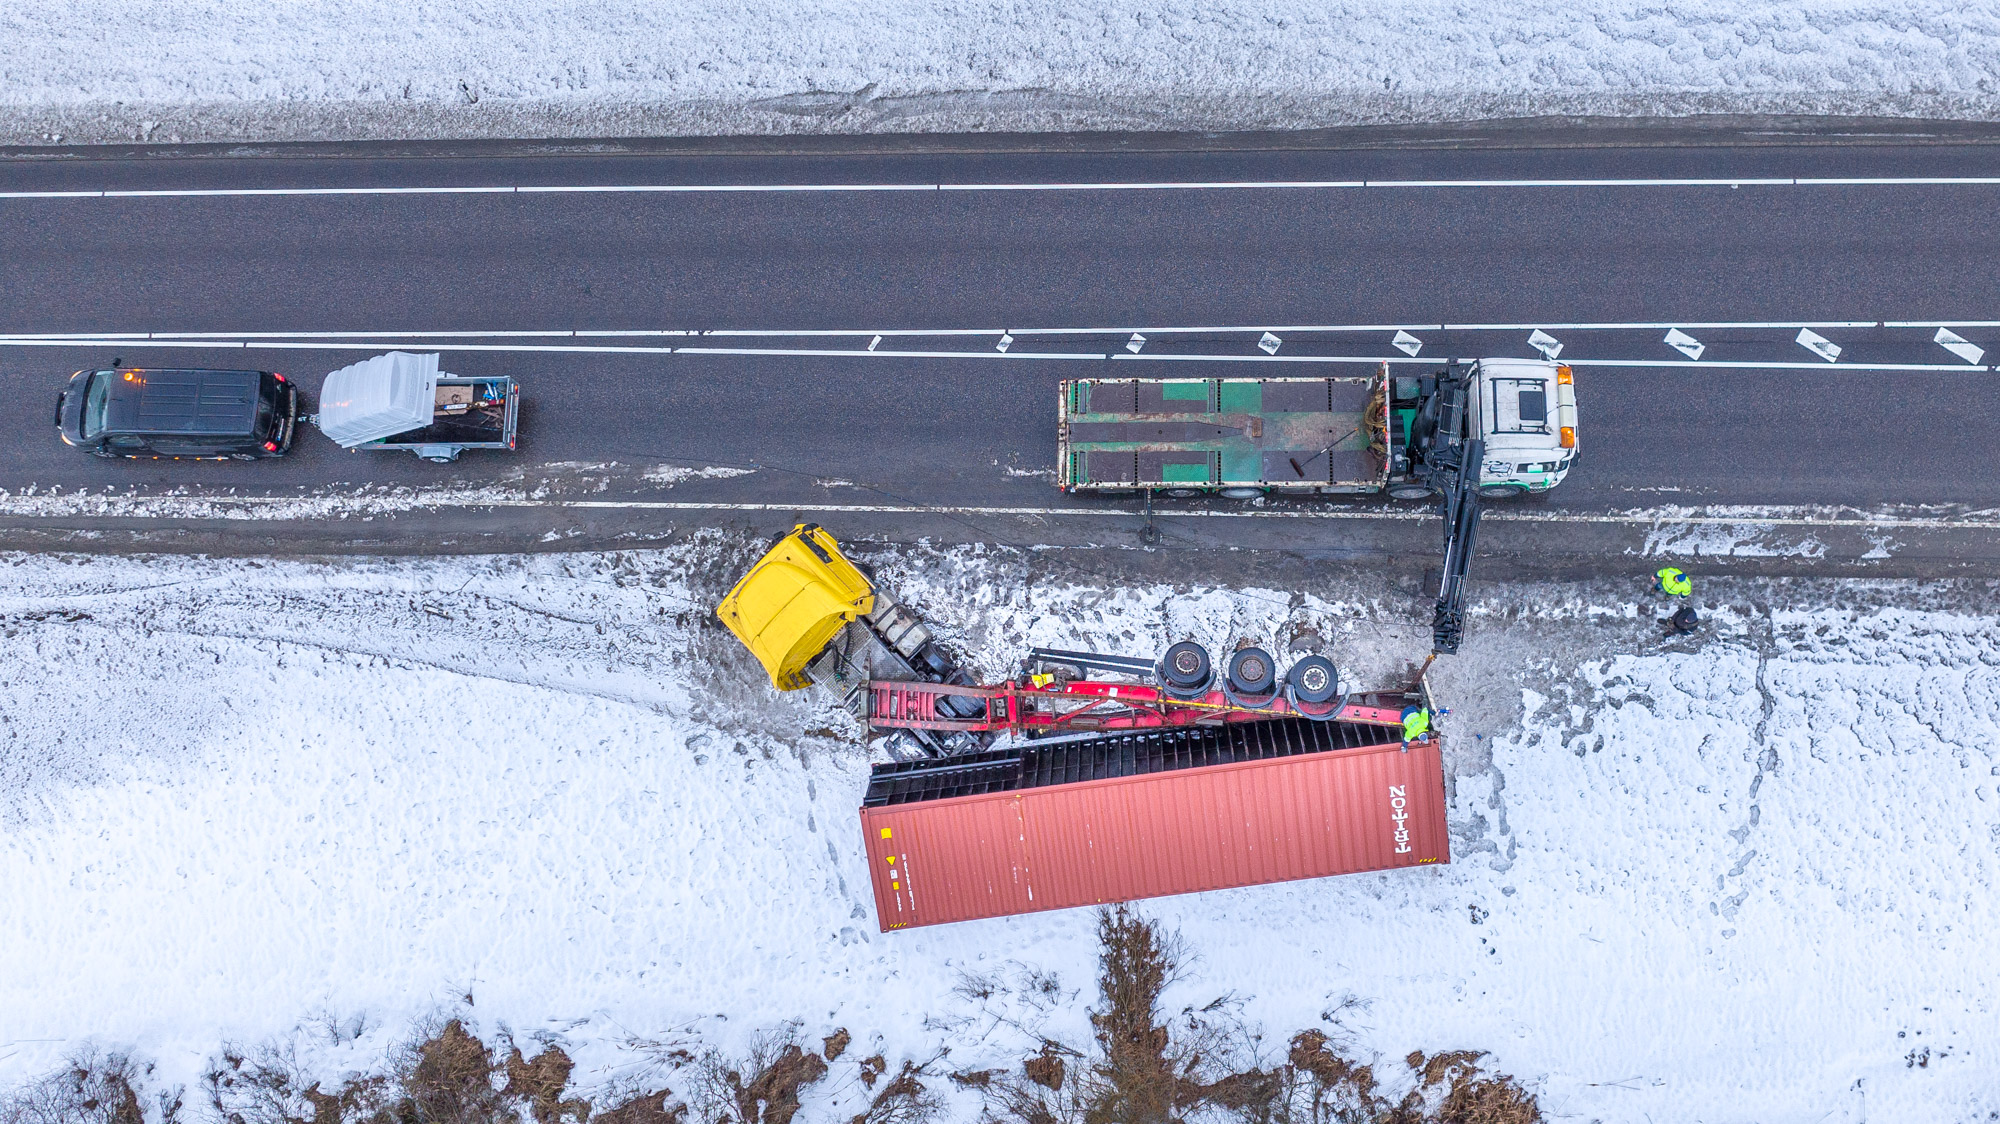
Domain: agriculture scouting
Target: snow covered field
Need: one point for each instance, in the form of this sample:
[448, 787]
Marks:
[294, 69]
[1748, 877]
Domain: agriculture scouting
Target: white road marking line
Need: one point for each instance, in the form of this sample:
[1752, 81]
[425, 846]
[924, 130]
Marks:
[891, 333]
[866, 188]
[1958, 345]
[1685, 344]
[1545, 343]
[1819, 345]
[36, 507]
[1269, 343]
[875, 343]
[850, 353]
[1407, 343]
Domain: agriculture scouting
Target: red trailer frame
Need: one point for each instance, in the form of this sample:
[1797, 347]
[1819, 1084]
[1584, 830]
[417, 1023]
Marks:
[1090, 704]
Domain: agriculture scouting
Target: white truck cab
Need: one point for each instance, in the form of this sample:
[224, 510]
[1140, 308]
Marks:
[1525, 410]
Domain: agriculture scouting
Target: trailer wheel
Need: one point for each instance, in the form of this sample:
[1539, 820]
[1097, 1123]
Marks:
[1314, 680]
[1501, 491]
[1186, 667]
[440, 460]
[1241, 493]
[1409, 492]
[1181, 493]
[1252, 672]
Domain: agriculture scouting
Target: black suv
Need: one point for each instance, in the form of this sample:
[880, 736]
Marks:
[191, 414]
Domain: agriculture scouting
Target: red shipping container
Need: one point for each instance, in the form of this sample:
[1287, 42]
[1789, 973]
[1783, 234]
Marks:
[1174, 831]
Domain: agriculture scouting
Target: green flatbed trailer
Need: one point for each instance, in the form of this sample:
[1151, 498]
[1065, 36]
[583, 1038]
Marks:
[1235, 437]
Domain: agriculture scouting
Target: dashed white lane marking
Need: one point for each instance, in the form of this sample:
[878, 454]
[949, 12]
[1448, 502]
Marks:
[443, 345]
[888, 333]
[1685, 344]
[1958, 345]
[188, 506]
[864, 188]
[1819, 345]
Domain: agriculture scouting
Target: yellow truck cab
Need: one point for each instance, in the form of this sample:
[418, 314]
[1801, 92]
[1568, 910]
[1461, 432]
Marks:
[794, 601]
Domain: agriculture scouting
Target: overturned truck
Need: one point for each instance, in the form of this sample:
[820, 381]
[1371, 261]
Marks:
[1120, 778]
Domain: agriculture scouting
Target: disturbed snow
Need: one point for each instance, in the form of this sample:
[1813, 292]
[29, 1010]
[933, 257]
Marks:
[1747, 876]
[317, 69]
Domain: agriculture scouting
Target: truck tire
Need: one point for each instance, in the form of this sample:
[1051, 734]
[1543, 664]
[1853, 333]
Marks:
[1314, 680]
[1252, 671]
[1181, 493]
[1409, 491]
[1501, 491]
[1241, 493]
[1186, 668]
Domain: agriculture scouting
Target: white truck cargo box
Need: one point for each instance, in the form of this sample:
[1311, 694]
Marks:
[378, 397]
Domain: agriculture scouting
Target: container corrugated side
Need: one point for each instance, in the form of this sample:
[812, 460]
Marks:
[1156, 834]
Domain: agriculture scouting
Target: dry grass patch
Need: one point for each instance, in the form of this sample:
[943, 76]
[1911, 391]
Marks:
[269, 1086]
[645, 1108]
[904, 1100]
[446, 1077]
[1454, 1089]
[1204, 1064]
[541, 1083]
[95, 1088]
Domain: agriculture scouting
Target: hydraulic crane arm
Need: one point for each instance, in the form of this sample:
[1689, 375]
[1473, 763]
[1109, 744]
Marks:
[1461, 528]
[1451, 460]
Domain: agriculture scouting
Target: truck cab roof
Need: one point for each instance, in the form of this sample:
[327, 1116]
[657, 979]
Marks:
[1518, 405]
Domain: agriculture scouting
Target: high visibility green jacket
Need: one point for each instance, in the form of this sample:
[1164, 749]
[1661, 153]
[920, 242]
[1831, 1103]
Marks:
[1416, 725]
[1674, 582]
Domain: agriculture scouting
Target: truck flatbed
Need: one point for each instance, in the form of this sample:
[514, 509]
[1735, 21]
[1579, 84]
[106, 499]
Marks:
[1193, 435]
[466, 413]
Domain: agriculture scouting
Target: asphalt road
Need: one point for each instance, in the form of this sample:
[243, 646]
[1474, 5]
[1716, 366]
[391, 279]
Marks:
[947, 431]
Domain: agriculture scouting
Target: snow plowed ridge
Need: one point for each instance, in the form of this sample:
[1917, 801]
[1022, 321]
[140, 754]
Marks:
[1721, 879]
[477, 67]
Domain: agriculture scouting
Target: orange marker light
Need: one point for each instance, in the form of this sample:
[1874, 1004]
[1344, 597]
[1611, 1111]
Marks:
[1569, 437]
[1564, 377]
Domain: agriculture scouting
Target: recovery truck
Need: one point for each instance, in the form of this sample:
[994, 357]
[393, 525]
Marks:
[1483, 429]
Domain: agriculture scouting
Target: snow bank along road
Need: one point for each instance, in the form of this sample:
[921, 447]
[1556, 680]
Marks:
[596, 68]
[1836, 327]
[1746, 879]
